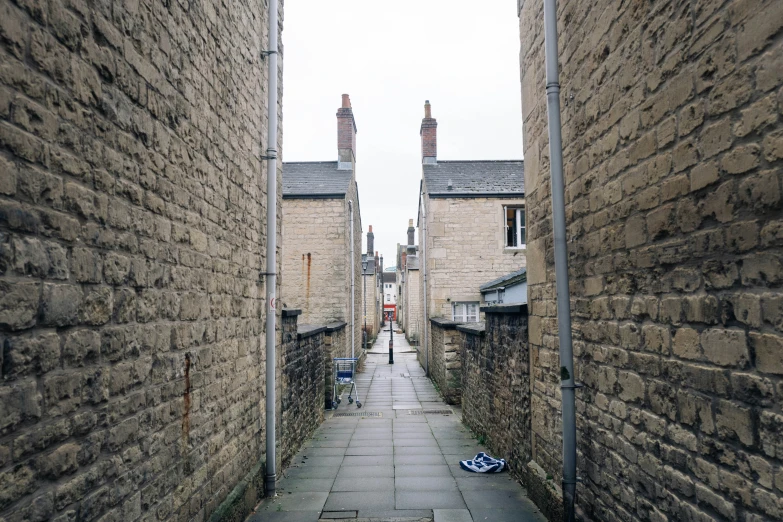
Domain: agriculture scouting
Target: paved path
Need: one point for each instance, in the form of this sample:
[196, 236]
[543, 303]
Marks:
[399, 466]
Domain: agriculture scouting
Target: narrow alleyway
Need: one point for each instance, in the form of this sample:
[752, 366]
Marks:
[390, 462]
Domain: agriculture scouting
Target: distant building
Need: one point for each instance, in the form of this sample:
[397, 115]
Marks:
[316, 272]
[408, 285]
[371, 290]
[471, 227]
[390, 295]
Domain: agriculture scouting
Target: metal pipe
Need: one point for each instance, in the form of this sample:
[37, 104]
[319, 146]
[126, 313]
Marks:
[271, 251]
[425, 338]
[567, 384]
[353, 283]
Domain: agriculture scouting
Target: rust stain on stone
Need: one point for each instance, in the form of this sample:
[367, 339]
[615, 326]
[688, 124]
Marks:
[309, 268]
[186, 412]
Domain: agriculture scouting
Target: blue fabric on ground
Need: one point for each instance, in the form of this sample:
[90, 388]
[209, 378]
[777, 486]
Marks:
[483, 463]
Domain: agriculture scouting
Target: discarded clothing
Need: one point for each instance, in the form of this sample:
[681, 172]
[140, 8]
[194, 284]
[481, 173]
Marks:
[483, 463]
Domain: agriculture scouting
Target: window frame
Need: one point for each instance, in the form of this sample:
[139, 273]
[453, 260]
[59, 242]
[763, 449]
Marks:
[520, 224]
[465, 316]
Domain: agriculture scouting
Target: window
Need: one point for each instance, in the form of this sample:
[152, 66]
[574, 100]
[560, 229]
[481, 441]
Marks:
[515, 226]
[465, 312]
[388, 298]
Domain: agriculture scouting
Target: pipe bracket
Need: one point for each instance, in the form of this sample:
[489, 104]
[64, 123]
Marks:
[574, 386]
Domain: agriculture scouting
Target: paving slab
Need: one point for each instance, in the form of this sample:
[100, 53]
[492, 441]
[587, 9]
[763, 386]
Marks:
[452, 515]
[429, 500]
[398, 466]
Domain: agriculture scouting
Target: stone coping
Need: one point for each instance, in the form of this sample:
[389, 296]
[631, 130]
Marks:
[472, 328]
[308, 330]
[333, 327]
[446, 324]
[510, 308]
[291, 312]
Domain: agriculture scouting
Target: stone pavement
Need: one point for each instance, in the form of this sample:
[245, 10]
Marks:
[395, 466]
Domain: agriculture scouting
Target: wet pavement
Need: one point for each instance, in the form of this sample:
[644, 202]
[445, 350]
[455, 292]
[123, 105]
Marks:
[396, 458]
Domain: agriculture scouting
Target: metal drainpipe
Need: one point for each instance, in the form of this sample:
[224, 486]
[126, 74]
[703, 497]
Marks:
[271, 252]
[353, 282]
[425, 337]
[567, 384]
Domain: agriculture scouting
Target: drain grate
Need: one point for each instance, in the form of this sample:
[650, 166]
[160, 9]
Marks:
[358, 414]
[430, 412]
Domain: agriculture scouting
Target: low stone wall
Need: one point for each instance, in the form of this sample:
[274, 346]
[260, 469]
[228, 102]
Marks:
[496, 383]
[444, 354]
[337, 343]
[301, 380]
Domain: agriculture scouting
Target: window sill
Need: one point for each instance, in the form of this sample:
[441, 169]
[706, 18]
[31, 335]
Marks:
[515, 249]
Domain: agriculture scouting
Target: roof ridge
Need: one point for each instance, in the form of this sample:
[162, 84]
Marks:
[303, 162]
[475, 161]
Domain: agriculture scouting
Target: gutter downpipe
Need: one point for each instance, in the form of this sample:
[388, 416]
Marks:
[567, 385]
[425, 337]
[271, 252]
[353, 282]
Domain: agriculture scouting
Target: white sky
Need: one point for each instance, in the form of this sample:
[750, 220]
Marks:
[390, 56]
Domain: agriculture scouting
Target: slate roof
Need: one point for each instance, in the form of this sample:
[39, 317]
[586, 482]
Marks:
[475, 178]
[413, 262]
[519, 276]
[389, 277]
[314, 179]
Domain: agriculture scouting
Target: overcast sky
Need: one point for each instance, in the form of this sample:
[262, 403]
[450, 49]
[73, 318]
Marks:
[390, 57]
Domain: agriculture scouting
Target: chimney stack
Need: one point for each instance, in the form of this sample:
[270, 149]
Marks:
[346, 135]
[376, 260]
[370, 242]
[429, 136]
[381, 265]
[411, 230]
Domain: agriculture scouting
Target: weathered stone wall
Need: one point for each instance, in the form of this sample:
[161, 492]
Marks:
[465, 249]
[301, 384]
[444, 355]
[496, 383]
[369, 305]
[413, 317]
[673, 143]
[335, 345]
[314, 259]
[132, 240]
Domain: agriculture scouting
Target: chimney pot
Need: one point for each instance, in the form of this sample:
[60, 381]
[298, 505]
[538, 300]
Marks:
[346, 101]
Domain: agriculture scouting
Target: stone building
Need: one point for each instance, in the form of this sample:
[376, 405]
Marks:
[408, 294]
[316, 230]
[371, 299]
[471, 221]
[673, 153]
[472, 214]
[132, 253]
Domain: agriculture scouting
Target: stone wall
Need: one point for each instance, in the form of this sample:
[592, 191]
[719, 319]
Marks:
[314, 259]
[673, 143]
[412, 311]
[444, 359]
[496, 383]
[336, 345]
[132, 240]
[301, 385]
[465, 249]
[369, 305]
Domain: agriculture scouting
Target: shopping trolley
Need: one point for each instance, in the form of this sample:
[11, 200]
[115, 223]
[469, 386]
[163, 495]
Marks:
[344, 370]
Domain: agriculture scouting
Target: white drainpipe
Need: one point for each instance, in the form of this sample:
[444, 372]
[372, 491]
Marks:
[271, 251]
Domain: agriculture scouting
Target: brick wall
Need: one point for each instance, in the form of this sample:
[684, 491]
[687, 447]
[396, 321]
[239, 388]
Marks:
[444, 358]
[496, 383]
[672, 147]
[132, 241]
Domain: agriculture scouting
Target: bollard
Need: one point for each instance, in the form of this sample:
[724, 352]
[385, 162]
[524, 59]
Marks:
[391, 346]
